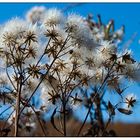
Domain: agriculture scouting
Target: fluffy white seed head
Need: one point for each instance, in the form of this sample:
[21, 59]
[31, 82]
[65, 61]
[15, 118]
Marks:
[53, 17]
[36, 14]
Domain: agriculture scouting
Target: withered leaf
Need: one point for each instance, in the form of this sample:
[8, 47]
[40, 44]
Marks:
[42, 108]
[52, 120]
[127, 57]
[125, 111]
[111, 108]
[113, 57]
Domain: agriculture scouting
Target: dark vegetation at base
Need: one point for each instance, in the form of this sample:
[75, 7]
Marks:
[121, 129]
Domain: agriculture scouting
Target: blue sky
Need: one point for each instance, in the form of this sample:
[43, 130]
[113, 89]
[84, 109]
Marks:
[124, 14]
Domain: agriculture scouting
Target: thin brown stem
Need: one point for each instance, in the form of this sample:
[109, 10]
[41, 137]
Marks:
[95, 97]
[10, 79]
[18, 100]
[17, 110]
[64, 119]
[84, 120]
[110, 116]
[17, 115]
[44, 75]
[43, 130]
[38, 60]
[109, 120]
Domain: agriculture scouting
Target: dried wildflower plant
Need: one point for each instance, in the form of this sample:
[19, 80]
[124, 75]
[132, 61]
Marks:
[60, 58]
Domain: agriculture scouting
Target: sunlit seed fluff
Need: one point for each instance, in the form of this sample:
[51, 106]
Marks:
[80, 32]
[126, 51]
[106, 49]
[99, 37]
[15, 26]
[4, 81]
[74, 21]
[76, 100]
[53, 17]
[29, 87]
[36, 14]
[56, 32]
[119, 33]
[18, 28]
[98, 34]
[33, 28]
[85, 39]
[132, 72]
[47, 97]
[100, 75]
[13, 32]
